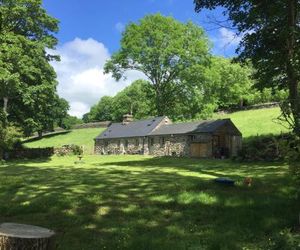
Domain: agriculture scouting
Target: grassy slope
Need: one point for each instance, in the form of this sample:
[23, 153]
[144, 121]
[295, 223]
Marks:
[256, 122]
[136, 202]
[250, 123]
[82, 137]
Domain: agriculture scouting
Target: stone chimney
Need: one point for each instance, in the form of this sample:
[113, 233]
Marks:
[127, 119]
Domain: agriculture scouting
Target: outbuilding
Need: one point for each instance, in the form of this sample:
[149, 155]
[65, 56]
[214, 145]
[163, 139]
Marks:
[160, 137]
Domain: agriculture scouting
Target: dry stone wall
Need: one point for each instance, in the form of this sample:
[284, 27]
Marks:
[120, 146]
[177, 145]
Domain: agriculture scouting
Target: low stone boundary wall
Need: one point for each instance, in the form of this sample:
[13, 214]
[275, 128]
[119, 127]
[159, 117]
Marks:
[92, 125]
[251, 107]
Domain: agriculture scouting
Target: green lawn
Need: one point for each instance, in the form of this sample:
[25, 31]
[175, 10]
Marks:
[256, 122]
[251, 123]
[138, 202]
[81, 137]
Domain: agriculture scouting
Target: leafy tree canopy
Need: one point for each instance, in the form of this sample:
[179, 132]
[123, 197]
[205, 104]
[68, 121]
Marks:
[271, 40]
[163, 49]
[27, 80]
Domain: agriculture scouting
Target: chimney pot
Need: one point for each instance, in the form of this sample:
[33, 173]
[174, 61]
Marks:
[127, 119]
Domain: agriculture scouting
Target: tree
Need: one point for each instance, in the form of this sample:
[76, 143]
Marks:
[135, 99]
[271, 40]
[68, 122]
[163, 49]
[102, 111]
[27, 80]
[28, 19]
[230, 83]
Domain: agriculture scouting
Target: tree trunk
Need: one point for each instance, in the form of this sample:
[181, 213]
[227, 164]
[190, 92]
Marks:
[40, 134]
[5, 104]
[25, 237]
[293, 82]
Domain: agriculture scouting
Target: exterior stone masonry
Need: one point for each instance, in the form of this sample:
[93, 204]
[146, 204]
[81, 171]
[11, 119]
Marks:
[176, 145]
[159, 137]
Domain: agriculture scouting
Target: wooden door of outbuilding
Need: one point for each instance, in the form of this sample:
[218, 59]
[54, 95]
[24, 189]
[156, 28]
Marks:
[199, 149]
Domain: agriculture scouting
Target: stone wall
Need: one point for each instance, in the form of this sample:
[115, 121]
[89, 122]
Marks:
[177, 145]
[104, 124]
[121, 146]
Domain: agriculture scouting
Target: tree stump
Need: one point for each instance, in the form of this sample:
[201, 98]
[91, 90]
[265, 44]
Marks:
[25, 237]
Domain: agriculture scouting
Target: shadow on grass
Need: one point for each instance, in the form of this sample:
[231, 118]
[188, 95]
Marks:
[156, 203]
[50, 135]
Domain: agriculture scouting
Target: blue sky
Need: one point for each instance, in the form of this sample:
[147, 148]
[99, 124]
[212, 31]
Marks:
[90, 32]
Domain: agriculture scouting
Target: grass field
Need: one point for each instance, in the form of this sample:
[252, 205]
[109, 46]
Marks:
[256, 122]
[135, 202]
[81, 137]
[251, 123]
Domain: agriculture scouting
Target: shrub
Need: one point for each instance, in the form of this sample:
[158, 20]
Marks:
[77, 150]
[9, 137]
[284, 240]
[68, 150]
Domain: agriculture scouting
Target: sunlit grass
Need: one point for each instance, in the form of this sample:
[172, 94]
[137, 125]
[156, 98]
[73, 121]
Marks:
[137, 202]
[256, 122]
[82, 137]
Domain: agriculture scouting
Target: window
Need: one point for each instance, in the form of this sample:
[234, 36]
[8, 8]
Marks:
[193, 138]
[119, 143]
[162, 141]
[137, 142]
[126, 144]
[105, 143]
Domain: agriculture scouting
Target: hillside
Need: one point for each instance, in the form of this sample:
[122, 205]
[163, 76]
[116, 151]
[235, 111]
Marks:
[82, 137]
[251, 123]
[256, 122]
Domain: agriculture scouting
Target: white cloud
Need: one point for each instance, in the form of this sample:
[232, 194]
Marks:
[228, 38]
[80, 74]
[120, 27]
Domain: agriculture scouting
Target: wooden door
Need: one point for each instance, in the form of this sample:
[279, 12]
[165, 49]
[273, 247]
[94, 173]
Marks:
[199, 150]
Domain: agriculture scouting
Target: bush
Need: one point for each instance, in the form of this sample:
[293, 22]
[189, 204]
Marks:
[77, 150]
[261, 148]
[284, 240]
[9, 137]
[68, 150]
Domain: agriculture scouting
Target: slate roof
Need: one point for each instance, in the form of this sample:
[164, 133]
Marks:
[208, 126]
[148, 128]
[133, 129]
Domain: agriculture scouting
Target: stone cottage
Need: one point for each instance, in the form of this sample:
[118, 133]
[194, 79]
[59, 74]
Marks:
[160, 137]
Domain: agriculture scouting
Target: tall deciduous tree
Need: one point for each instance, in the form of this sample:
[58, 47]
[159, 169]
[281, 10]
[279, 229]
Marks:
[230, 83]
[134, 99]
[271, 40]
[163, 49]
[27, 80]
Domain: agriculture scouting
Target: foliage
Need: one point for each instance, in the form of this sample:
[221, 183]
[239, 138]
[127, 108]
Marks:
[271, 38]
[230, 83]
[284, 240]
[69, 122]
[68, 150]
[165, 51]
[28, 19]
[135, 99]
[27, 80]
[224, 84]
[9, 136]
[263, 148]
[77, 150]
[135, 199]
[102, 111]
